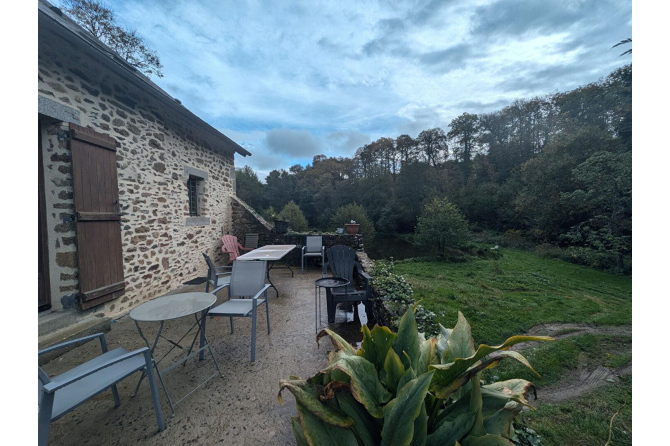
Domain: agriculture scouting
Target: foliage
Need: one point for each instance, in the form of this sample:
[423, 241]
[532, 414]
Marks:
[401, 389]
[294, 216]
[99, 20]
[250, 189]
[555, 168]
[396, 296]
[269, 214]
[441, 226]
[355, 212]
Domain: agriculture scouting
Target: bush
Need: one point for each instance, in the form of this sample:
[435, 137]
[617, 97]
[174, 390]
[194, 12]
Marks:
[396, 295]
[400, 388]
[294, 216]
[355, 212]
[441, 226]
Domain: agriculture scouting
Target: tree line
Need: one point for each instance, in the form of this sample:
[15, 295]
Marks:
[555, 168]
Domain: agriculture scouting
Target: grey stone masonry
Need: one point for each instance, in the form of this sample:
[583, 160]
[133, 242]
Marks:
[162, 245]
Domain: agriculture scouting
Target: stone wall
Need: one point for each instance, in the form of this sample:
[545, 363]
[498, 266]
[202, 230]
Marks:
[162, 245]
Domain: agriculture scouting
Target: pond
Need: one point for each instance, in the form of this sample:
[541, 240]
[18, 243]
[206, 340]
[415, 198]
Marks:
[384, 247]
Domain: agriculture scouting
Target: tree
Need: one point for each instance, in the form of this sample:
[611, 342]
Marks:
[294, 216]
[355, 212]
[432, 144]
[249, 188]
[441, 225]
[464, 132]
[99, 20]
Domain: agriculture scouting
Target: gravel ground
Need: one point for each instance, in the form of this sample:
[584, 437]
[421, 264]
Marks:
[240, 408]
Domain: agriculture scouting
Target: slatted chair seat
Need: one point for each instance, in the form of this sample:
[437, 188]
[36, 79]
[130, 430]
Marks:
[232, 247]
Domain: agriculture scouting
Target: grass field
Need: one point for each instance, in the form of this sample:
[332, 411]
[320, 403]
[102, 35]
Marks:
[520, 290]
[510, 295]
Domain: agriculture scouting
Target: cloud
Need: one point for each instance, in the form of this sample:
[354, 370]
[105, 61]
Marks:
[296, 143]
[347, 142]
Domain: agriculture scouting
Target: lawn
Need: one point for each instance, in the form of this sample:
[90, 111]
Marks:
[507, 296]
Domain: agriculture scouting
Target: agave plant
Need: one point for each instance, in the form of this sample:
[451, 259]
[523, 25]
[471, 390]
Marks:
[403, 389]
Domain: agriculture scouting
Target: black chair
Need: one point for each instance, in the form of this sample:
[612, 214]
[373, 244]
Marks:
[251, 240]
[342, 263]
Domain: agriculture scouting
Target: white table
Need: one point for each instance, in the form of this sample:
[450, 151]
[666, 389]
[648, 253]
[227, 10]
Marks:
[271, 254]
[170, 307]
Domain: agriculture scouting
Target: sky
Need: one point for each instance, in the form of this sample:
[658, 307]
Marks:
[290, 80]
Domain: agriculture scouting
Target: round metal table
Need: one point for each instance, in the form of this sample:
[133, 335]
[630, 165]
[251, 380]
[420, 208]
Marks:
[170, 307]
[325, 282]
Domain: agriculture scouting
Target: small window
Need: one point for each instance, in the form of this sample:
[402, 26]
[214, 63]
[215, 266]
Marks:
[192, 185]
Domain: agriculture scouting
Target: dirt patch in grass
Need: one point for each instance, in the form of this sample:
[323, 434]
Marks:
[589, 374]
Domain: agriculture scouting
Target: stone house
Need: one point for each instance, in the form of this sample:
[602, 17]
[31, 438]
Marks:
[133, 187]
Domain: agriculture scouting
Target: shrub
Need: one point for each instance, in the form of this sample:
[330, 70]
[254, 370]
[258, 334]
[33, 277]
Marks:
[395, 295]
[355, 212]
[294, 216]
[441, 226]
[401, 389]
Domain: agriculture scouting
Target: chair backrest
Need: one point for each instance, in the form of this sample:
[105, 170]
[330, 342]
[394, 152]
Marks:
[42, 379]
[313, 243]
[247, 278]
[251, 240]
[230, 246]
[342, 261]
[211, 273]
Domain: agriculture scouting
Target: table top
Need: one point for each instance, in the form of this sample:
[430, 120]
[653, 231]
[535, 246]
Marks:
[267, 252]
[331, 282]
[172, 306]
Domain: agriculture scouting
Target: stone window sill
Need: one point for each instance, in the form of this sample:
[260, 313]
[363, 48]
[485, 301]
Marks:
[197, 221]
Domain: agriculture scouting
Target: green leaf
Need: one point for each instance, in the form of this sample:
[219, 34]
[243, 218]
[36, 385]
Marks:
[376, 344]
[366, 428]
[420, 427]
[319, 433]
[460, 344]
[451, 429]
[500, 422]
[400, 413]
[338, 342]
[447, 372]
[408, 339]
[495, 396]
[406, 377]
[308, 395]
[365, 385]
[444, 373]
[394, 370]
[487, 440]
[299, 433]
[427, 355]
[442, 339]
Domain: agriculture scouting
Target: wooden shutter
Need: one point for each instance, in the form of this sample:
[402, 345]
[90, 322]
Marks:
[96, 202]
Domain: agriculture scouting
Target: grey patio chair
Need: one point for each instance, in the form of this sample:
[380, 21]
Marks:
[313, 248]
[60, 394]
[251, 240]
[342, 263]
[218, 277]
[247, 281]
